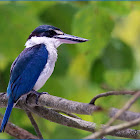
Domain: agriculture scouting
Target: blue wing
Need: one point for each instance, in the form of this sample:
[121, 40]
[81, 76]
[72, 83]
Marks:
[26, 69]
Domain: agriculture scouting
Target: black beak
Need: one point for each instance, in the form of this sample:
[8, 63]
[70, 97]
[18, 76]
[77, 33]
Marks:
[70, 39]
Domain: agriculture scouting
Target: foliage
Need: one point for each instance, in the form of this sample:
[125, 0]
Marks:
[108, 61]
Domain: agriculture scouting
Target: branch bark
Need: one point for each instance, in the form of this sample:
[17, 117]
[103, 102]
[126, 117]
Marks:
[125, 107]
[107, 129]
[34, 124]
[17, 132]
[56, 103]
[111, 93]
[81, 124]
[51, 115]
[62, 119]
[73, 107]
[112, 129]
[126, 116]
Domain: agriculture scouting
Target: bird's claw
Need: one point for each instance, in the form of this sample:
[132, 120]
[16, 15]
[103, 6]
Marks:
[28, 95]
[38, 95]
[3, 93]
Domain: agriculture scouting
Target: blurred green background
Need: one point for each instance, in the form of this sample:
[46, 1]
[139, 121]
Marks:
[110, 60]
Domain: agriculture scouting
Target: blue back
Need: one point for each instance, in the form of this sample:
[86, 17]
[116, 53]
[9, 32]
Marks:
[26, 69]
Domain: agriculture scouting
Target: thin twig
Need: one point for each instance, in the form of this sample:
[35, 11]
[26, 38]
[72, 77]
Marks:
[34, 124]
[111, 93]
[62, 119]
[126, 107]
[126, 116]
[65, 120]
[80, 124]
[115, 128]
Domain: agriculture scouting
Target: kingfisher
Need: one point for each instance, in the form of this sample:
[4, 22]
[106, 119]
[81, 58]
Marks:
[35, 64]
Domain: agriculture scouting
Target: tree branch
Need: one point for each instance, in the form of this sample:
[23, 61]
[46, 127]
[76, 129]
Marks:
[81, 124]
[54, 116]
[34, 124]
[64, 104]
[105, 130]
[126, 116]
[125, 107]
[111, 93]
[56, 103]
[17, 132]
[112, 129]
[69, 114]
[62, 119]
[51, 115]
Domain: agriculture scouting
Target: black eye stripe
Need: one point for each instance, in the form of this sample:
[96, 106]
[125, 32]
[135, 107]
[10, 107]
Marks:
[48, 33]
[52, 32]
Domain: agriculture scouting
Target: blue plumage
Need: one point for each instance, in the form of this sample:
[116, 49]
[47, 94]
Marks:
[33, 67]
[26, 70]
[24, 74]
[7, 114]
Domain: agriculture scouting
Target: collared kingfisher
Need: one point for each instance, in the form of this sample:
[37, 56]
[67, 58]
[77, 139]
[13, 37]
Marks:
[35, 64]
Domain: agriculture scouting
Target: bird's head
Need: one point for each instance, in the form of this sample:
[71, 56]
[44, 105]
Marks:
[48, 33]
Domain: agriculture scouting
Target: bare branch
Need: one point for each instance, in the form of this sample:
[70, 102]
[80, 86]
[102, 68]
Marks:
[53, 116]
[56, 103]
[62, 119]
[112, 129]
[63, 104]
[127, 106]
[126, 116]
[17, 132]
[80, 124]
[69, 114]
[34, 124]
[127, 133]
[111, 93]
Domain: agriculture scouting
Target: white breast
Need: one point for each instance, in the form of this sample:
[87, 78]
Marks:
[47, 71]
[51, 45]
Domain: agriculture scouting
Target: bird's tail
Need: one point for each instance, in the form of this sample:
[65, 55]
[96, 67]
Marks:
[6, 115]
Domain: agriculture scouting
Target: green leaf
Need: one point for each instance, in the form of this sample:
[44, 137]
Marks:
[17, 22]
[97, 71]
[118, 55]
[95, 24]
[117, 61]
[64, 132]
[65, 54]
[117, 79]
[118, 8]
[39, 6]
[59, 15]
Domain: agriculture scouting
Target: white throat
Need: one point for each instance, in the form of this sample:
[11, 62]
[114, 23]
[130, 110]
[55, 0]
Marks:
[43, 40]
[51, 46]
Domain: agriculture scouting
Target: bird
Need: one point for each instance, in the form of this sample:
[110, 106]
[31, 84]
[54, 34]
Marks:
[35, 64]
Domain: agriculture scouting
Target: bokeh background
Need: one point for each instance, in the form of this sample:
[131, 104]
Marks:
[110, 60]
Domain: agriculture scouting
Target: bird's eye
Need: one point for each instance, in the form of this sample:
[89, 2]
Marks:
[50, 33]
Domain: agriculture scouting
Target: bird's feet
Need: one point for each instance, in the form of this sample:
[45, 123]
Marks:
[38, 94]
[3, 93]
